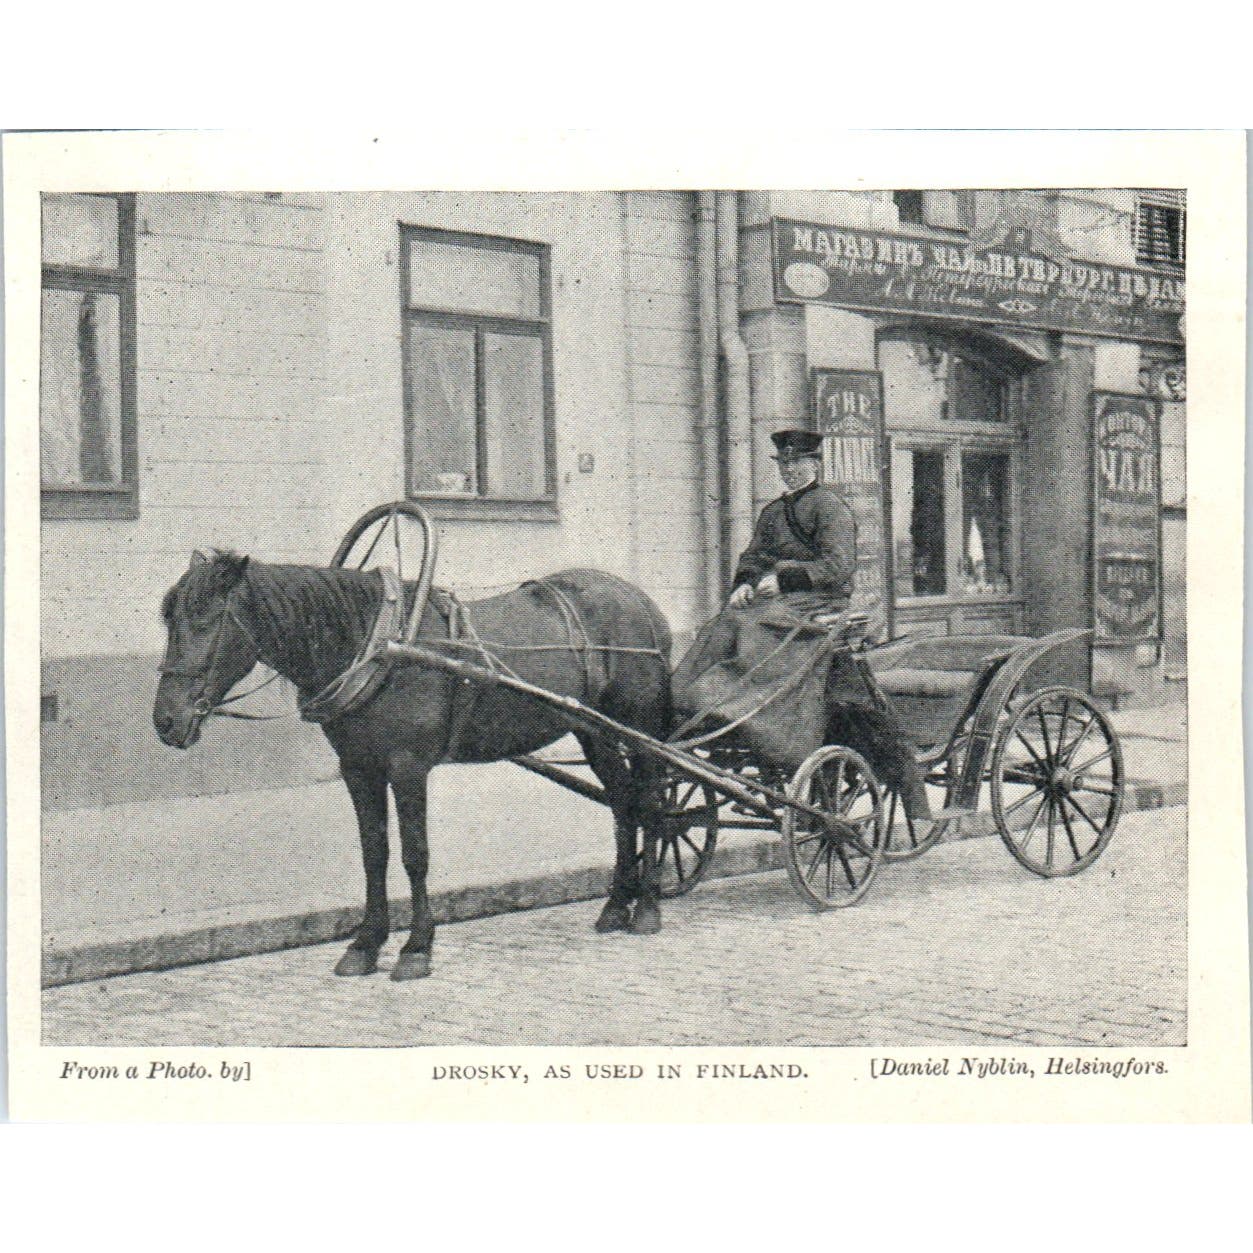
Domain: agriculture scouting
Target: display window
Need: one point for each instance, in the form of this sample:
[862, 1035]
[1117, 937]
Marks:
[954, 421]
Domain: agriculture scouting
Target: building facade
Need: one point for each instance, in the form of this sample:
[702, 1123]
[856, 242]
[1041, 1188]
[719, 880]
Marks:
[592, 379]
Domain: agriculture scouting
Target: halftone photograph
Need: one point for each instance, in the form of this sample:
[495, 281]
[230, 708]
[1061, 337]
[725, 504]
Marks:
[614, 618]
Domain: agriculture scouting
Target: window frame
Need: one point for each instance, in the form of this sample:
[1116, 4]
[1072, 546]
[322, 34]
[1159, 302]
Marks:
[953, 437]
[965, 210]
[1163, 202]
[103, 501]
[479, 505]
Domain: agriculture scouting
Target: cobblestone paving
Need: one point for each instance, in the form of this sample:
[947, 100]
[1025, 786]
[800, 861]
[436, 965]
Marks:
[959, 947]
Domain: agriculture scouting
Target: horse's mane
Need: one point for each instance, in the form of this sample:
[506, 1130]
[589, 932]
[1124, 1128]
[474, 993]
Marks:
[314, 618]
[310, 619]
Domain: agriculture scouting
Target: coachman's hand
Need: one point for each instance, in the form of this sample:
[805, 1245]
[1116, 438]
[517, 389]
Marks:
[743, 595]
[768, 585]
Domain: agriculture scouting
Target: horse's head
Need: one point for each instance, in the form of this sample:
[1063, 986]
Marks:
[210, 647]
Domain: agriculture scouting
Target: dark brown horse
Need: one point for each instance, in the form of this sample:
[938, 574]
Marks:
[227, 613]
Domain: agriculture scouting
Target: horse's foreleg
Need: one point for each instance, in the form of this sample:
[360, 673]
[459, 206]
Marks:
[645, 781]
[611, 770]
[409, 785]
[368, 789]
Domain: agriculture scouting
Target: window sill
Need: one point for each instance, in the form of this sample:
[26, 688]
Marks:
[88, 504]
[487, 509]
[955, 602]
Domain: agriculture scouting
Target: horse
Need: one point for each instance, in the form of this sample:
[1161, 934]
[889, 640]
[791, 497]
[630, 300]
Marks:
[581, 633]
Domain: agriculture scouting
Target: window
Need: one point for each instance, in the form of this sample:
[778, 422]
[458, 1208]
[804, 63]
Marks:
[985, 564]
[1161, 228]
[948, 402]
[478, 373]
[87, 439]
[918, 522]
[945, 210]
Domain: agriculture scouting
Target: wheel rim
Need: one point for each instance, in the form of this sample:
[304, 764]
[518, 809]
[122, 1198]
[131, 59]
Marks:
[1057, 783]
[688, 836]
[831, 863]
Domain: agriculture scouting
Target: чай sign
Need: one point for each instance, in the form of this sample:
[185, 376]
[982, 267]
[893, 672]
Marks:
[1126, 517]
[878, 270]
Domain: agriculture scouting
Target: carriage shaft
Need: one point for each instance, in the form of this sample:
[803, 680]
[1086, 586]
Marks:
[757, 796]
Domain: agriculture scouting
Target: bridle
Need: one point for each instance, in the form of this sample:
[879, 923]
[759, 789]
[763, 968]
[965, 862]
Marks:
[202, 707]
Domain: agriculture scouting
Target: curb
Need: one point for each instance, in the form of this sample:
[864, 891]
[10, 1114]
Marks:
[268, 935]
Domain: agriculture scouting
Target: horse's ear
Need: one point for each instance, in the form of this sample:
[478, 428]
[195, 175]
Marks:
[230, 569]
[198, 559]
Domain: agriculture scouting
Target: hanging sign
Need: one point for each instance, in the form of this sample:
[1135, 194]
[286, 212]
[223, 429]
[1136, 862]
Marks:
[1126, 517]
[848, 413]
[1009, 283]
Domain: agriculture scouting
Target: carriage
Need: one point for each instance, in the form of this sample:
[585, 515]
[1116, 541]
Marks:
[1047, 755]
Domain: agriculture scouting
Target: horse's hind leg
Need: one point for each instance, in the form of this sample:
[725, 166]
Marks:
[368, 789]
[646, 782]
[408, 781]
[613, 773]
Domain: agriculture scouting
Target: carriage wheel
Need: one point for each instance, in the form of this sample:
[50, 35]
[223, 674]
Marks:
[394, 534]
[831, 862]
[1057, 782]
[688, 835]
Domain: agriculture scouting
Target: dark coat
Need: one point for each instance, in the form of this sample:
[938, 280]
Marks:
[808, 539]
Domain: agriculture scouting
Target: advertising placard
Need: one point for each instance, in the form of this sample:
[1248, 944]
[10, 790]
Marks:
[1126, 517]
[848, 411]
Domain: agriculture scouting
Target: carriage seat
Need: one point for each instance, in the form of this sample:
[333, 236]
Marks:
[926, 684]
[928, 679]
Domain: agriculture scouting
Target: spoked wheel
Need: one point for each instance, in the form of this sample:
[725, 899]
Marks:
[399, 535]
[831, 860]
[688, 836]
[1057, 782]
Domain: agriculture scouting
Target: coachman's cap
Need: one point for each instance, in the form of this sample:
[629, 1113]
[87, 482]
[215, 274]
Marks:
[796, 443]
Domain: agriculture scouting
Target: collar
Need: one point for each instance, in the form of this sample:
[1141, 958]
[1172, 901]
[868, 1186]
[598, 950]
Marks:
[800, 491]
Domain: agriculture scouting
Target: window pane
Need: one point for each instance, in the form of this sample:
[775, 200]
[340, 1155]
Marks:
[985, 523]
[80, 400]
[943, 208]
[441, 391]
[514, 432]
[80, 230]
[918, 522]
[476, 280]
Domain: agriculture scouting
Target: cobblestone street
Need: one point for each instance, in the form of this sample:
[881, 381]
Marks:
[959, 947]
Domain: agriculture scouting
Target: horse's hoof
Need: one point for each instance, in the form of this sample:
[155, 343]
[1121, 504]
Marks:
[411, 966]
[614, 918]
[646, 920]
[357, 961]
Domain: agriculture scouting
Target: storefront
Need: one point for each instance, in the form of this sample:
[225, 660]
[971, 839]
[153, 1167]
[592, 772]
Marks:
[1003, 401]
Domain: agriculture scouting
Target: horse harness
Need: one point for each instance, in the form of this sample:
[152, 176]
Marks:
[369, 671]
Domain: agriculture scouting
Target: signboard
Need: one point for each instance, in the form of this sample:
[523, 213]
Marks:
[848, 412]
[1126, 517]
[1007, 283]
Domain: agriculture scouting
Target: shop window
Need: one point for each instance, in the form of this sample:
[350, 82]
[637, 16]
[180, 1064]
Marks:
[477, 371]
[944, 210]
[985, 565]
[87, 425]
[1161, 223]
[918, 522]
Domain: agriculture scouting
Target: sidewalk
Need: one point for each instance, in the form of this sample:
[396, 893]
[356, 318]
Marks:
[172, 882]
